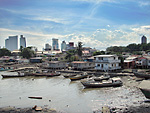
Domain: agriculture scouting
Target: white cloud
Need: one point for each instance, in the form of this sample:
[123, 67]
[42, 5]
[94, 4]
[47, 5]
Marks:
[100, 39]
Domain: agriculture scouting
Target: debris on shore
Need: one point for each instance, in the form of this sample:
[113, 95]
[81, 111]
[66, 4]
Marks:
[26, 110]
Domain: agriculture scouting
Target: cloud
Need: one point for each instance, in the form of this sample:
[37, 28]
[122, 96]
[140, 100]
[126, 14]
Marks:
[144, 3]
[100, 39]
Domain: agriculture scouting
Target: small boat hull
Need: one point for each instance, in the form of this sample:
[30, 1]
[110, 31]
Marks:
[142, 75]
[102, 78]
[11, 76]
[100, 85]
[78, 77]
[146, 92]
[68, 76]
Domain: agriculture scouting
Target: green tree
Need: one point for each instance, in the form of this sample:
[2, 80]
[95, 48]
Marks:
[27, 53]
[98, 53]
[70, 55]
[79, 49]
[5, 52]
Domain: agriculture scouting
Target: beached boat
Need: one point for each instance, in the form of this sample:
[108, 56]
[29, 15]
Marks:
[13, 75]
[142, 75]
[144, 86]
[146, 92]
[103, 77]
[109, 83]
[5, 69]
[53, 74]
[70, 75]
[35, 97]
[78, 77]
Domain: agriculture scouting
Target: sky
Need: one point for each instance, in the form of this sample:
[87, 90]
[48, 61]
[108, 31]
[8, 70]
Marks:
[97, 23]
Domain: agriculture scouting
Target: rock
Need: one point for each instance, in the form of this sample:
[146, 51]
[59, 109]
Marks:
[34, 107]
[105, 109]
[38, 109]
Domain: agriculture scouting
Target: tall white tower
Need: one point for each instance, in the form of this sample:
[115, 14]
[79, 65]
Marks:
[11, 43]
[22, 41]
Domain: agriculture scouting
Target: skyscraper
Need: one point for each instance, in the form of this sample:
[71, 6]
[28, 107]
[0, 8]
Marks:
[11, 43]
[143, 40]
[55, 44]
[63, 46]
[22, 41]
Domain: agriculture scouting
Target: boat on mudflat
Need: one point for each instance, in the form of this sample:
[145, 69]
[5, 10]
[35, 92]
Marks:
[68, 76]
[53, 74]
[78, 77]
[146, 92]
[103, 77]
[144, 86]
[142, 75]
[13, 75]
[107, 83]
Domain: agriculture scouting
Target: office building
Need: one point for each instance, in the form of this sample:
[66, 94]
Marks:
[71, 44]
[55, 44]
[143, 40]
[63, 46]
[11, 43]
[22, 41]
[47, 47]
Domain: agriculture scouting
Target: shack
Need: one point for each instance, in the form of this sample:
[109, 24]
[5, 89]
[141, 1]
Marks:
[36, 60]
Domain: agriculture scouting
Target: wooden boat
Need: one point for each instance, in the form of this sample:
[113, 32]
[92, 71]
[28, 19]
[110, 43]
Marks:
[103, 77]
[35, 97]
[68, 76]
[13, 75]
[146, 92]
[40, 74]
[5, 69]
[109, 83]
[144, 86]
[78, 77]
[142, 75]
[53, 74]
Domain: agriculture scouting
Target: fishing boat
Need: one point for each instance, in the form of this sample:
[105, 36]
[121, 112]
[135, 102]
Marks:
[35, 97]
[103, 77]
[78, 77]
[146, 92]
[5, 69]
[53, 74]
[144, 86]
[142, 75]
[109, 83]
[68, 76]
[13, 75]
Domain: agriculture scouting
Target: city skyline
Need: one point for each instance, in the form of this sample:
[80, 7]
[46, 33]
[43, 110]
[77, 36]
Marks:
[97, 23]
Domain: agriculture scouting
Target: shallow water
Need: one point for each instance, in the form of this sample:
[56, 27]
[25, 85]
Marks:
[63, 95]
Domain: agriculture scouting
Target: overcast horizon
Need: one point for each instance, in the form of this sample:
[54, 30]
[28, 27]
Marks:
[97, 23]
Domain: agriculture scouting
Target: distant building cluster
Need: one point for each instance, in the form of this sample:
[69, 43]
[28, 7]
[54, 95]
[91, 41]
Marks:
[55, 46]
[11, 43]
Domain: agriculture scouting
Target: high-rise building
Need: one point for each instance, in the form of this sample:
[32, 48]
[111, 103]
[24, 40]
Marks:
[71, 44]
[55, 44]
[11, 43]
[47, 47]
[63, 46]
[143, 40]
[22, 41]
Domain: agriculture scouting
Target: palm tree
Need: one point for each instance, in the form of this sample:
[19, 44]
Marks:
[79, 49]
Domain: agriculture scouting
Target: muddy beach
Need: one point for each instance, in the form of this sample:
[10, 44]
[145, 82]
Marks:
[66, 96]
